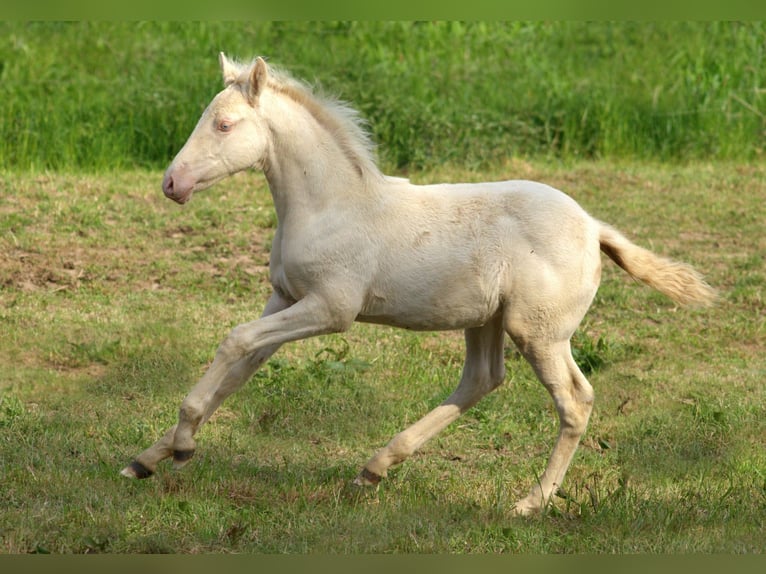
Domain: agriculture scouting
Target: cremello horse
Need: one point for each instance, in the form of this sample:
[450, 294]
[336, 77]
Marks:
[352, 244]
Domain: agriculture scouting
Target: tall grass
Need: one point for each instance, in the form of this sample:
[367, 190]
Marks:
[103, 95]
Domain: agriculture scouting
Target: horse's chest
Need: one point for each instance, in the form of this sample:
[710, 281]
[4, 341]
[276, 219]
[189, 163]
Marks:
[307, 263]
[289, 276]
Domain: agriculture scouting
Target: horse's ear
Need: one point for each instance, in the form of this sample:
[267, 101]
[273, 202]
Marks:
[229, 71]
[259, 75]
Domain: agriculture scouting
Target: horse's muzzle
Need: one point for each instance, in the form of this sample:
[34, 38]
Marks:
[172, 190]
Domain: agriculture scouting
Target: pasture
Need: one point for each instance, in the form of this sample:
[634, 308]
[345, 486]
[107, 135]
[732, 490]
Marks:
[114, 299]
[124, 94]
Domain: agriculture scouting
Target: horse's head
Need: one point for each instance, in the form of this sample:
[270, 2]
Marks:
[229, 137]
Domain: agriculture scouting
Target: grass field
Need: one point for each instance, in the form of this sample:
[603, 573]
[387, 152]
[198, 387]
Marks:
[102, 95]
[113, 300]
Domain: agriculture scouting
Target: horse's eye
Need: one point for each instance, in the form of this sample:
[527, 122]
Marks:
[225, 125]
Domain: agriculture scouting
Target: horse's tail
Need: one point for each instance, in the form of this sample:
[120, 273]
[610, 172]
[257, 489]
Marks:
[679, 281]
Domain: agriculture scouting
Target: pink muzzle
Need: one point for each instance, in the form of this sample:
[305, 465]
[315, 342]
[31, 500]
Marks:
[177, 188]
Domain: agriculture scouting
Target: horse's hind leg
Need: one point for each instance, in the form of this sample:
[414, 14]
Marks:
[484, 370]
[573, 396]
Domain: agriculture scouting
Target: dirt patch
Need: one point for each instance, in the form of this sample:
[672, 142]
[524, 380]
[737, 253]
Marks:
[33, 271]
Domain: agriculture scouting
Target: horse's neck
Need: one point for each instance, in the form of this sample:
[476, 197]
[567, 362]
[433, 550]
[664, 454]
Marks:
[307, 170]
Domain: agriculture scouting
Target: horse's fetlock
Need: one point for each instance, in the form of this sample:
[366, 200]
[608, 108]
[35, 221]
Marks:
[183, 456]
[400, 448]
[367, 478]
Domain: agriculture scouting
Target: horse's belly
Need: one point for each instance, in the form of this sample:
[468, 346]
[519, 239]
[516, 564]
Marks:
[426, 321]
[432, 303]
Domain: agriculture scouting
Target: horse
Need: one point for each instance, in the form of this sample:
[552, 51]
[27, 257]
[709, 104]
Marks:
[352, 244]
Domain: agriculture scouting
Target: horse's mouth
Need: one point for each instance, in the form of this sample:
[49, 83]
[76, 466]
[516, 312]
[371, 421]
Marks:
[180, 199]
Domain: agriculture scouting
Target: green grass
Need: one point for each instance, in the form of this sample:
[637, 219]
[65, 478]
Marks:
[105, 95]
[113, 300]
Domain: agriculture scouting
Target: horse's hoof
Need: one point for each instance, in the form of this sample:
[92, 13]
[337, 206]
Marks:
[181, 457]
[136, 470]
[367, 478]
[525, 508]
[523, 511]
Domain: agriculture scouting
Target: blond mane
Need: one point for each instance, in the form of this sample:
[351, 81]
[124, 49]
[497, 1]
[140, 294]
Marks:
[339, 119]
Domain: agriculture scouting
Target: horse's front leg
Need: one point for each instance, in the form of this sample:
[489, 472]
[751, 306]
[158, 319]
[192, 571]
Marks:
[245, 349]
[145, 464]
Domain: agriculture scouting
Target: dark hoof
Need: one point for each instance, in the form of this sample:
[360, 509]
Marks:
[136, 470]
[367, 478]
[181, 457]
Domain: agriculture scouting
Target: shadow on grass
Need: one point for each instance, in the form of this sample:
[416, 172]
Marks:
[147, 373]
[694, 438]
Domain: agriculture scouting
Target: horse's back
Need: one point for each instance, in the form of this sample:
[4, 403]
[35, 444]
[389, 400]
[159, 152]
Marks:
[506, 218]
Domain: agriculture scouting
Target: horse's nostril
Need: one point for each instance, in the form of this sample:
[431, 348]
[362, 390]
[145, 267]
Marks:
[167, 185]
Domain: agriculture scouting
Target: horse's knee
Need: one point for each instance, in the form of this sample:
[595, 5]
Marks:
[189, 419]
